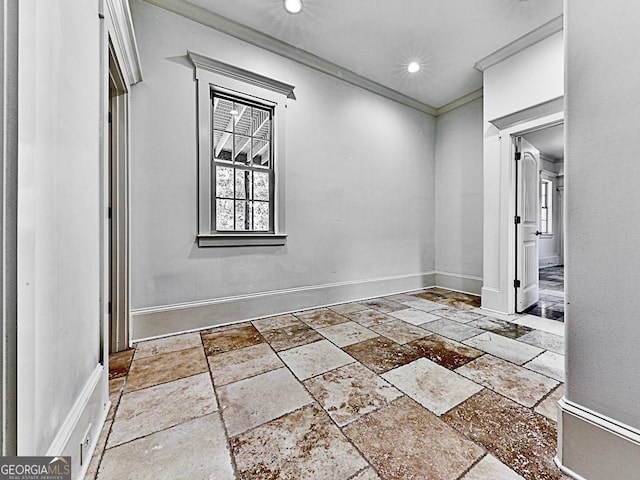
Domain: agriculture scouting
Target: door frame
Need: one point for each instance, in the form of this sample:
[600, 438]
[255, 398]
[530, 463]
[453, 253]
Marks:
[117, 172]
[503, 298]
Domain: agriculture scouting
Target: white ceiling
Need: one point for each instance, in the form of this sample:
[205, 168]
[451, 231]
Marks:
[550, 142]
[378, 38]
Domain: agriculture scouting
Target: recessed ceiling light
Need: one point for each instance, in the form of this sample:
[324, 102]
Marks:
[293, 6]
[413, 67]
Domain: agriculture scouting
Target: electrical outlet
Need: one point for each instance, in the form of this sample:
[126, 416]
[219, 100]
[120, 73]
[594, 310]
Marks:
[85, 445]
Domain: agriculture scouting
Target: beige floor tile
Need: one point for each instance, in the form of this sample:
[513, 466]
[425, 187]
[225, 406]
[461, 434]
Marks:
[273, 323]
[119, 363]
[243, 363]
[452, 329]
[292, 336]
[230, 337]
[368, 474]
[400, 331]
[414, 316]
[512, 381]
[347, 333]
[422, 304]
[431, 385]
[349, 392]
[166, 367]
[347, 308]
[155, 408]
[461, 316]
[321, 318]
[116, 385]
[301, 445]
[315, 358]
[382, 305]
[403, 440]
[381, 354]
[92, 469]
[167, 344]
[194, 450]
[521, 439]
[445, 352]
[549, 406]
[547, 341]
[257, 400]
[490, 468]
[549, 364]
[369, 318]
[503, 347]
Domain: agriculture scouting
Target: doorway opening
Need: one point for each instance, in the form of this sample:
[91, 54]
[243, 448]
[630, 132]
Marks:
[548, 142]
[117, 197]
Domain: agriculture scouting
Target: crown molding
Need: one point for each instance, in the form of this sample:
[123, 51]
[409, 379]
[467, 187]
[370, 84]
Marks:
[468, 98]
[215, 66]
[273, 45]
[531, 38]
[124, 39]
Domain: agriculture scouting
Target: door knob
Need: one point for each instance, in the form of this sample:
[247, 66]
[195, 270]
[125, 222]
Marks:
[538, 233]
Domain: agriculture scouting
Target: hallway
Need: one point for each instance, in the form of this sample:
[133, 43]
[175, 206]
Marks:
[339, 393]
[551, 303]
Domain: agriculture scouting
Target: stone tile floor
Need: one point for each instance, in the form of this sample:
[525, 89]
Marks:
[551, 303]
[414, 386]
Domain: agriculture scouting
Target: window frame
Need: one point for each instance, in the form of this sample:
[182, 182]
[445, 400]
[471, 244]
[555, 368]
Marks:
[549, 179]
[228, 79]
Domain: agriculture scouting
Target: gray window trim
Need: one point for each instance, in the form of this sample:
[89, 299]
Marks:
[212, 74]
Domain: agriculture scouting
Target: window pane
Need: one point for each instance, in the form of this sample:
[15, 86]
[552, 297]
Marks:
[224, 182]
[260, 124]
[243, 215]
[260, 216]
[242, 147]
[261, 153]
[243, 184]
[222, 109]
[242, 119]
[261, 185]
[224, 214]
[222, 146]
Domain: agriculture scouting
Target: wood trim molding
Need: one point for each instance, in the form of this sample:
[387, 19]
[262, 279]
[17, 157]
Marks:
[237, 73]
[468, 98]
[124, 39]
[531, 38]
[271, 44]
[543, 109]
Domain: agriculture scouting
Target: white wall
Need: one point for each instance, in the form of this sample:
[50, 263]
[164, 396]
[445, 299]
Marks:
[549, 247]
[58, 218]
[359, 178]
[458, 213]
[603, 259]
[526, 79]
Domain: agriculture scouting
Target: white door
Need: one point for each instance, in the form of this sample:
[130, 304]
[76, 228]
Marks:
[527, 213]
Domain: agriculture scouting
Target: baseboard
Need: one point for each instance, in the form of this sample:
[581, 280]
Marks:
[595, 447]
[168, 320]
[89, 411]
[549, 261]
[459, 283]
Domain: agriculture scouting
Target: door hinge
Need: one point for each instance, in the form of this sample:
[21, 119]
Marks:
[517, 219]
[110, 117]
[516, 283]
[518, 156]
[109, 212]
[109, 308]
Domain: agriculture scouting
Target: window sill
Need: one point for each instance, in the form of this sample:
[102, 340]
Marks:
[546, 235]
[242, 240]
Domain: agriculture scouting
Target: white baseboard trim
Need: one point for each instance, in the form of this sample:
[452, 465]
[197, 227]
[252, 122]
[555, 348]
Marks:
[89, 410]
[459, 283]
[172, 319]
[594, 446]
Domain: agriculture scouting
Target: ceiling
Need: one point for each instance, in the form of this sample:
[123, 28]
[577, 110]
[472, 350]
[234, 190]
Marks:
[550, 142]
[376, 39]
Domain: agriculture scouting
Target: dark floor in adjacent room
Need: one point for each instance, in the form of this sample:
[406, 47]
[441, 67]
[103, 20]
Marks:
[551, 303]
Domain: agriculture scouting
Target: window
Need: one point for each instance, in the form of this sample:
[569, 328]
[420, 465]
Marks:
[242, 165]
[546, 196]
[241, 155]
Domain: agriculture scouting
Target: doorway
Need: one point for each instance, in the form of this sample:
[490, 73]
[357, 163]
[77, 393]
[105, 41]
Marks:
[117, 198]
[549, 142]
